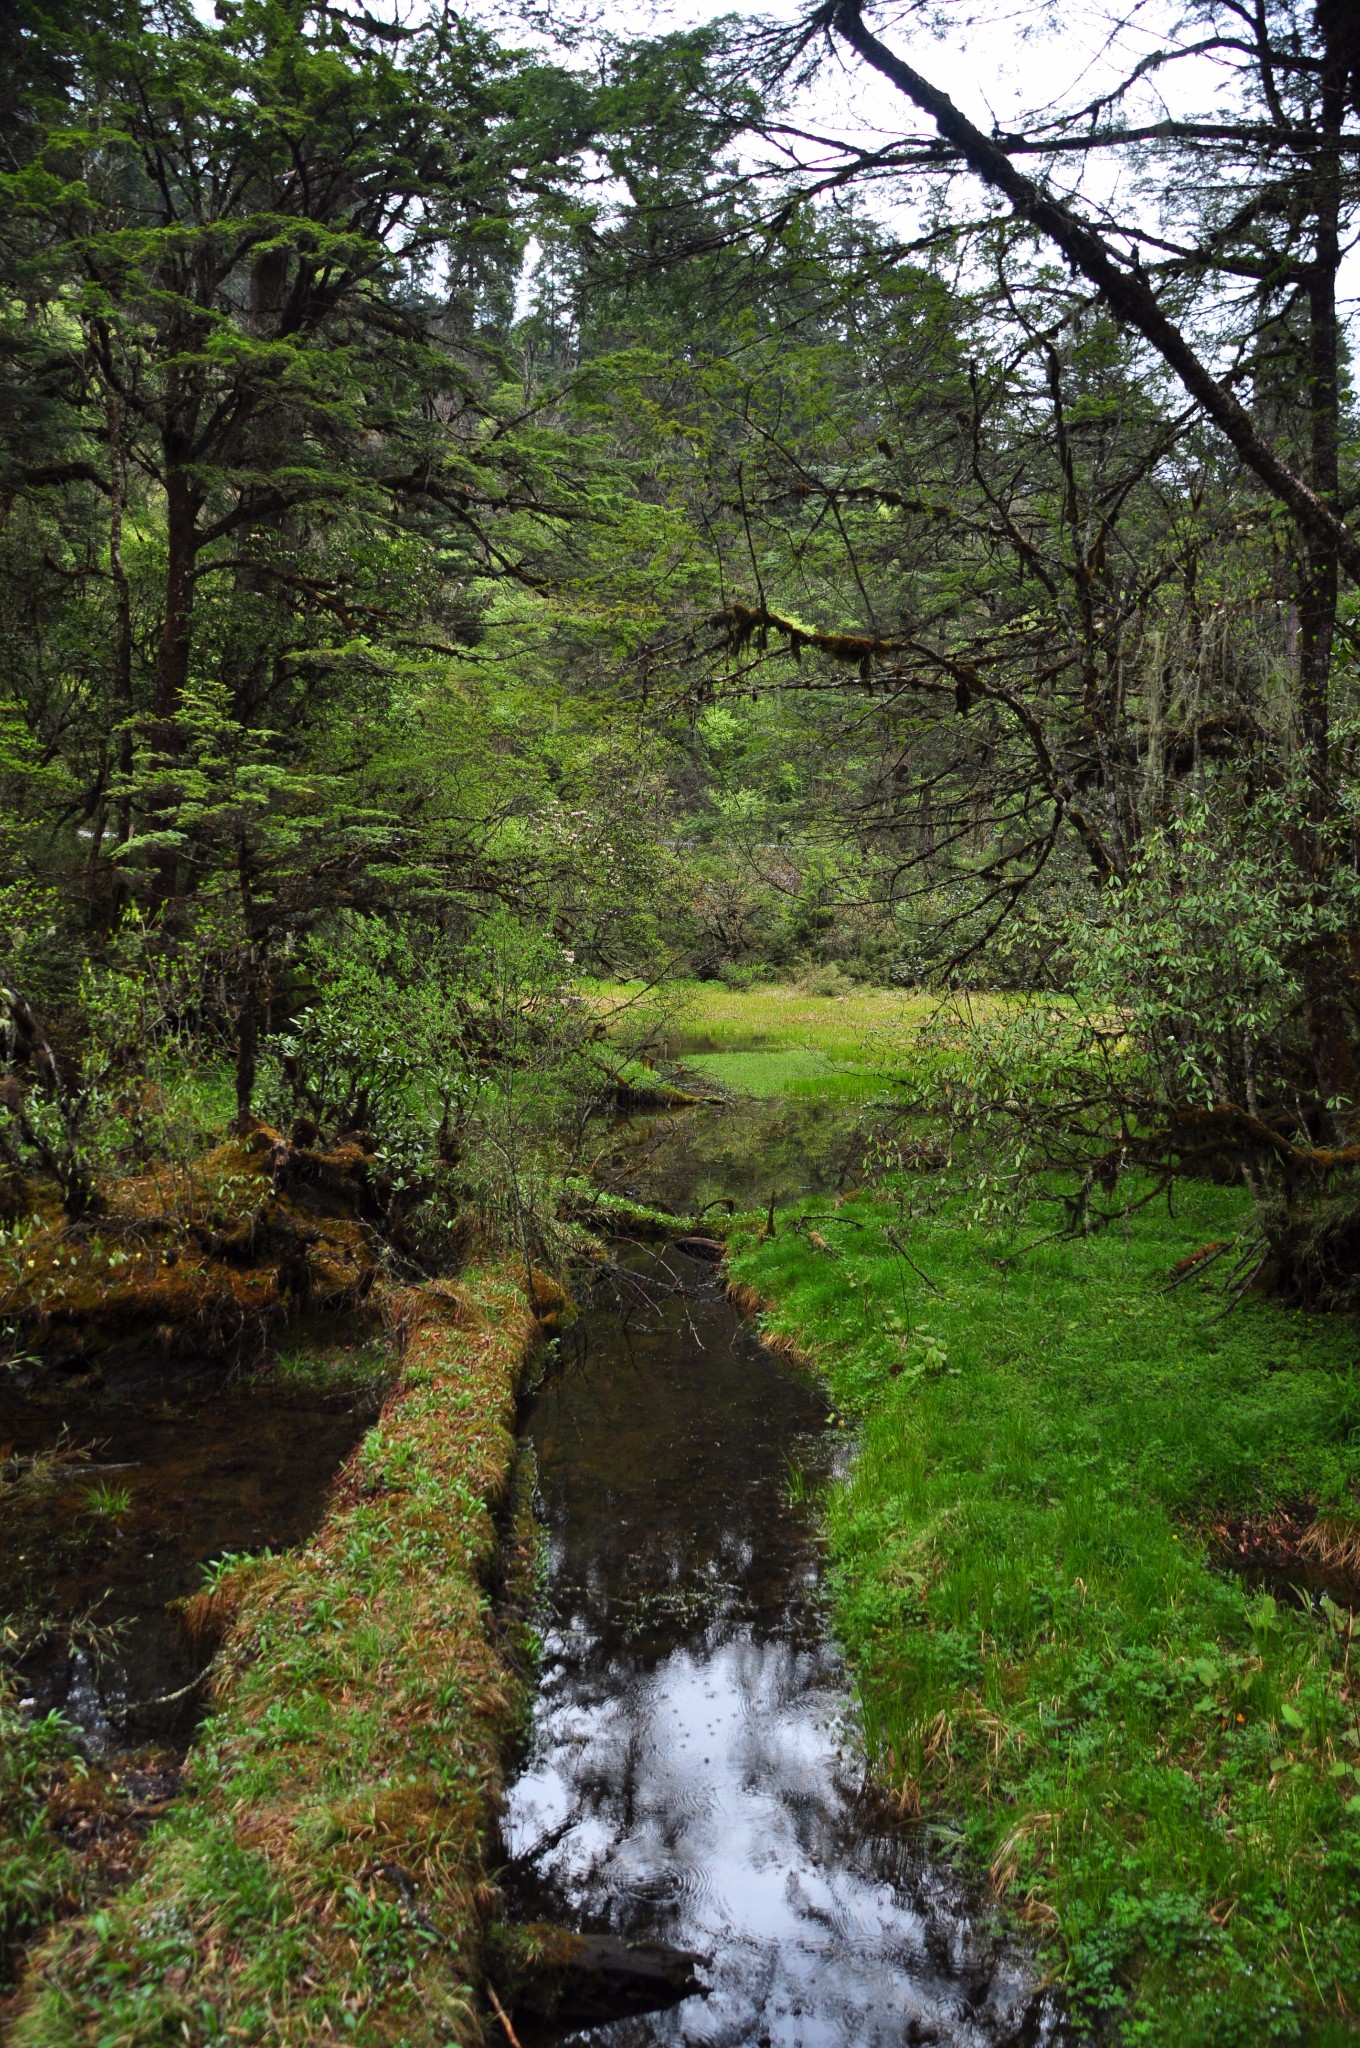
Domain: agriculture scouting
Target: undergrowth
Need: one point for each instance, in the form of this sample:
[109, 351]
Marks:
[38, 1874]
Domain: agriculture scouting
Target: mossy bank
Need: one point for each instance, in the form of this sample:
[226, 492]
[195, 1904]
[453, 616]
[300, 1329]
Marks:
[1155, 1759]
[324, 1875]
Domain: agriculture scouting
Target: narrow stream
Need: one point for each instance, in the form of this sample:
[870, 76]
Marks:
[694, 1775]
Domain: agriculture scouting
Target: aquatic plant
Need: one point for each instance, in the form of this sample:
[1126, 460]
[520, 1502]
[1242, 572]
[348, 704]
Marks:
[108, 1503]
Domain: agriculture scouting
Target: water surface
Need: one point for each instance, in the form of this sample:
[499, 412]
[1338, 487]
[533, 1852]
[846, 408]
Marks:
[156, 1475]
[693, 1775]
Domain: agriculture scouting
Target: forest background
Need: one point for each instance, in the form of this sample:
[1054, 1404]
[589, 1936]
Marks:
[769, 593]
[774, 589]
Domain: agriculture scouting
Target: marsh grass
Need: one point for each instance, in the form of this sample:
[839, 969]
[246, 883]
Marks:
[1158, 1763]
[853, 1028]
[794, 1071]
[338, 1368]
[780, 1040]
[107, 1503]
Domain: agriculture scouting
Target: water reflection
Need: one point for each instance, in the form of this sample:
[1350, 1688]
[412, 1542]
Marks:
[213, 1471]
[692, 1778]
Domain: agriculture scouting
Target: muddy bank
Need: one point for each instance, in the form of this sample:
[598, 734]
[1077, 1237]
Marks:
[1295, 1553]
[324, 1874]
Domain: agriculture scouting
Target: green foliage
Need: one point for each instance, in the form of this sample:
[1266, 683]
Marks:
[377, 1049]
[37, 1872]
[541, 1079]
[108, 1503]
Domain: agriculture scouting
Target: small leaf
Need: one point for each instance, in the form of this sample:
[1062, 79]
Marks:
[1291, 1717]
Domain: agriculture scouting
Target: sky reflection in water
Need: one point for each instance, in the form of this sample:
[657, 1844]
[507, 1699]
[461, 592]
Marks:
[691, 1777]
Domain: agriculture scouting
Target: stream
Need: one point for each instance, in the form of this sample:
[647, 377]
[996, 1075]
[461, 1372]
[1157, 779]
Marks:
[693, 1775]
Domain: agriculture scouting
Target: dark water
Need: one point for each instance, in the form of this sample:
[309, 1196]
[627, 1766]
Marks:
[147, 1488]
[694, 1774]
[734, 1154]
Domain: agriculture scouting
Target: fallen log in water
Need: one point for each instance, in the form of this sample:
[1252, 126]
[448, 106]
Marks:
[577, 1980]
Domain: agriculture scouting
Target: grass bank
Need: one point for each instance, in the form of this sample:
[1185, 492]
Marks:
[1158, 1763]
[1155, 1760]
[323, 1878]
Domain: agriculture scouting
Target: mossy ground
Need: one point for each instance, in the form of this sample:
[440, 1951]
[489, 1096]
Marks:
[324, 1876]
[246, 1236]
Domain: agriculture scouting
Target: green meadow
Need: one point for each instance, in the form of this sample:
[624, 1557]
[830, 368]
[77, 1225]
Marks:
[772, 1040]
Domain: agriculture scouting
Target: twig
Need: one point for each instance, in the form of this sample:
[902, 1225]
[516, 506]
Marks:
[167, 1699]
[502, 2015]
[895, 1241]
[1199, 1264]
[1243, 1290]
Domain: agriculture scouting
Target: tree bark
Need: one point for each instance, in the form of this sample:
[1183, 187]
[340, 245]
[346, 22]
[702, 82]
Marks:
[1319, 592]
[248, 1009]
[181, 522]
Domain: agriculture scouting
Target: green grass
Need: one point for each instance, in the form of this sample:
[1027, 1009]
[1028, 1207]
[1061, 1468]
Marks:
[856, 1029]
[108, 1503]
[1159, 1763]
[360, 1366]
[38, 1874]
[781, 1040]
[795, 1070]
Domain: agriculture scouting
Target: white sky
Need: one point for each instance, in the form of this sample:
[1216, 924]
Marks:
[1000, 61]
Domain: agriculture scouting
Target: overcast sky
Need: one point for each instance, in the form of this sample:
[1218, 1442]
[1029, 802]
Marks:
[1000, 61]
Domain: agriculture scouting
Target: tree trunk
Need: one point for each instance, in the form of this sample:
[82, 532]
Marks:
[172, 670]
[247, 1050]
[1319, 592]
[248, 1009]
[122, 646]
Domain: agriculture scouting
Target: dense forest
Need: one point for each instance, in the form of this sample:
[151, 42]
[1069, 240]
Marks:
[513, 539]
